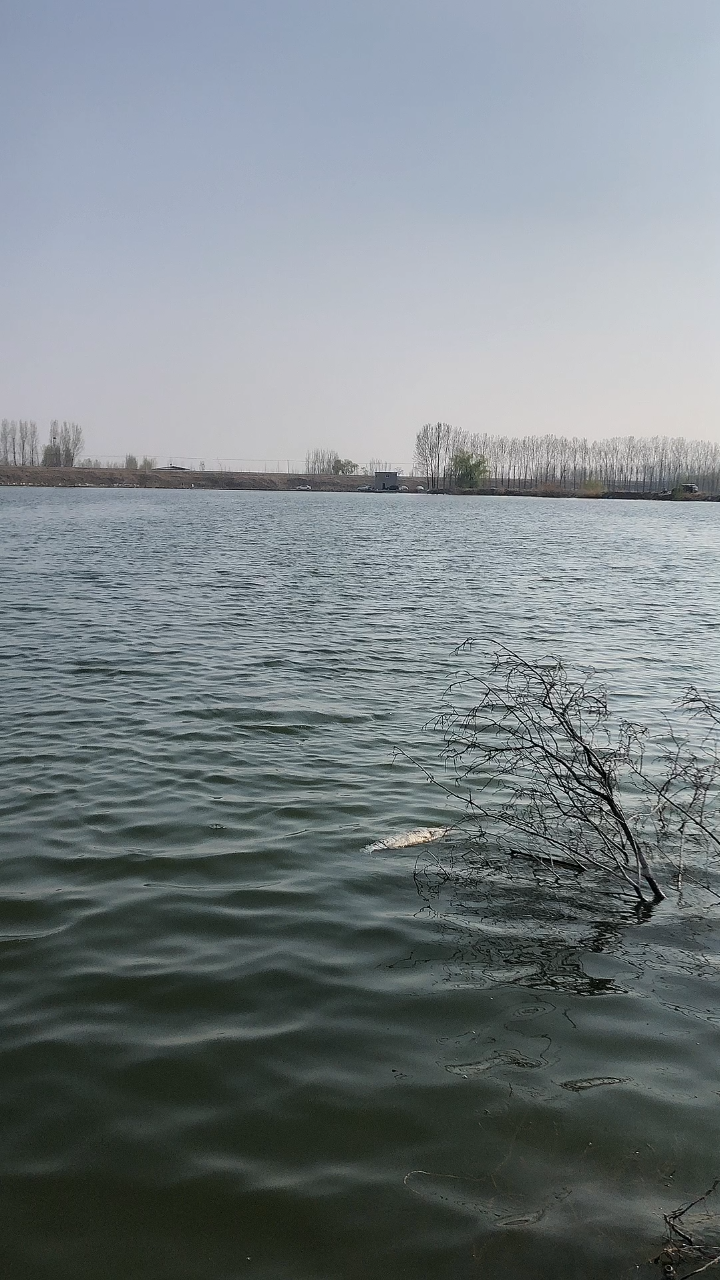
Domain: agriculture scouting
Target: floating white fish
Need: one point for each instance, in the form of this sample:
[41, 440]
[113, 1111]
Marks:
[421, 835]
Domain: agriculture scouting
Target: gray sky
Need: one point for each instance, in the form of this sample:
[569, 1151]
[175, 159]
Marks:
[242, 229]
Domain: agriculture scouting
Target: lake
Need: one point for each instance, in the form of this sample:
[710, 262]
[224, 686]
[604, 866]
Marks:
[238, 1041]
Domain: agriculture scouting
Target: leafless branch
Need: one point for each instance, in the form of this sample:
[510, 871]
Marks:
[540, 766]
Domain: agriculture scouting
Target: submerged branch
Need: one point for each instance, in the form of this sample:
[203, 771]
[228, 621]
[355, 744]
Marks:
[534, 752]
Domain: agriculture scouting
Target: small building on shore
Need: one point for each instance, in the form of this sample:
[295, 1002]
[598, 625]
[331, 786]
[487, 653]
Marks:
[387, 481]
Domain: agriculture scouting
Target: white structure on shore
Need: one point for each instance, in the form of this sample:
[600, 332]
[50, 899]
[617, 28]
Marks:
[387, 480]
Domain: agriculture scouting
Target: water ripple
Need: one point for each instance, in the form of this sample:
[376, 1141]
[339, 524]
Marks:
[245, 1030]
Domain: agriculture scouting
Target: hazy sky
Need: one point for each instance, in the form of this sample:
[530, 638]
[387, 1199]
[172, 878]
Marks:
[242, 228]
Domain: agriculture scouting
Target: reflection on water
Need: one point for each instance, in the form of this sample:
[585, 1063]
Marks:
[235, 1039]
[511, 925]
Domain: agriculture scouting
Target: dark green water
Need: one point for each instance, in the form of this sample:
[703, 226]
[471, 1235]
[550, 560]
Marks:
[235, 1042]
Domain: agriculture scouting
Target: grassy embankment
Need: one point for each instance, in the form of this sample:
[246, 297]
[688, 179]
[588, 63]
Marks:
[120, 478]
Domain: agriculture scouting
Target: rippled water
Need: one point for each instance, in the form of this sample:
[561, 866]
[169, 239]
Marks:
[238, 1040]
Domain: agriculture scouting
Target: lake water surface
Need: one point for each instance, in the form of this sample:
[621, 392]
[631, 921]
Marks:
[236, 1042]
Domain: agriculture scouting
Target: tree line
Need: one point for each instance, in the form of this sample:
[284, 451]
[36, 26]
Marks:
[326, 462]
[448, 456]
[19, 445]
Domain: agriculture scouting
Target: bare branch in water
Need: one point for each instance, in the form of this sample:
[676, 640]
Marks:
[681, 1248]
[540, 767]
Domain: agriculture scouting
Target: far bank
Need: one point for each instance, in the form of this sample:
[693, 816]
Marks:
[272, 481]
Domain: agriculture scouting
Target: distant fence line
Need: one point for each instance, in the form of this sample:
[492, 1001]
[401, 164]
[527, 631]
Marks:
[274, 466]
[292, 466]
[288, 466]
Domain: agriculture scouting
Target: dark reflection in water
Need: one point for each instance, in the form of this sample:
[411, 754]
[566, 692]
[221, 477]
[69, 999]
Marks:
[509, 924]
[548, 1207]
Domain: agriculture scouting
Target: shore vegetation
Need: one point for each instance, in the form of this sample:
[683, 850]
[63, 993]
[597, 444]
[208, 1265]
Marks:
[562, 464]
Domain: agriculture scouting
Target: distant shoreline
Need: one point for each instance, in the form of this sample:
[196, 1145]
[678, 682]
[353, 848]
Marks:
[280, 482]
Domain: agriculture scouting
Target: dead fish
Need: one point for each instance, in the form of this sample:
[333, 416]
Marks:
[421, 835]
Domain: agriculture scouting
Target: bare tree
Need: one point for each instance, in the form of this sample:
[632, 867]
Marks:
[52, 453]
[376, 464]
[433, 445]
[544, 774]
[423, 460]
[320, 462]
[71, 442]
[18, 442]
